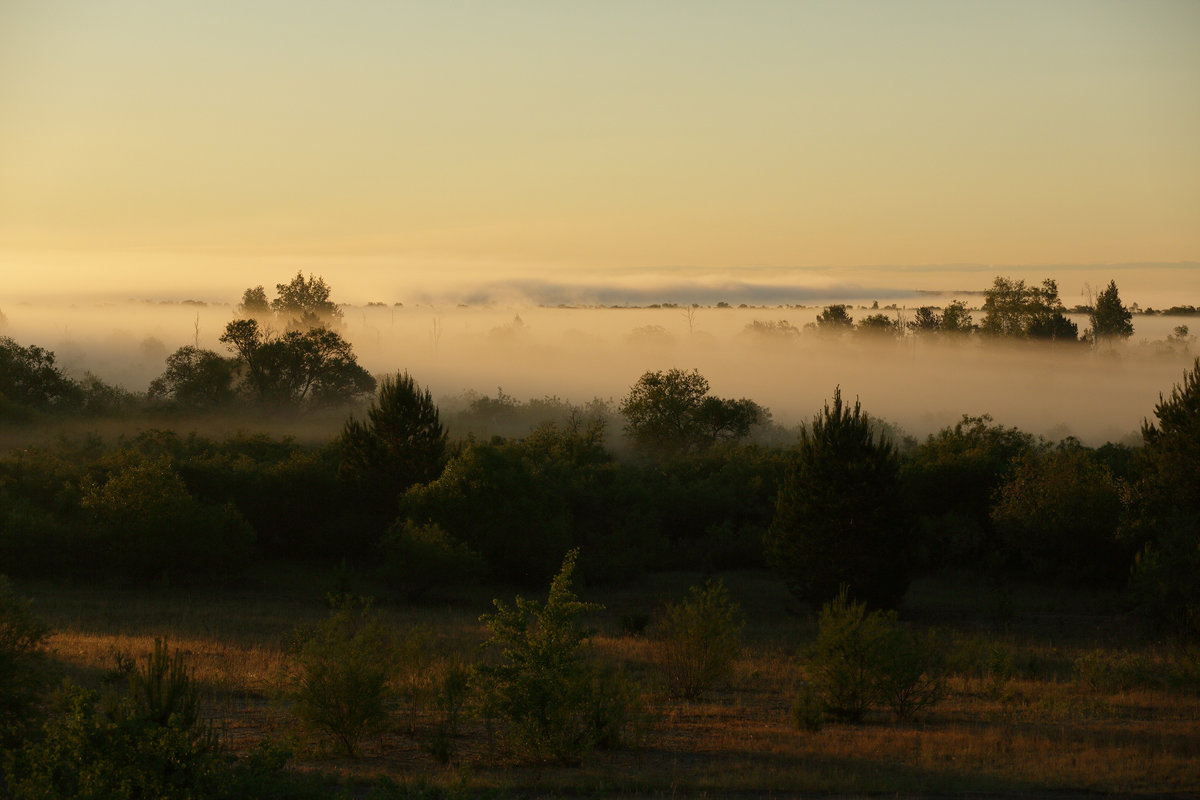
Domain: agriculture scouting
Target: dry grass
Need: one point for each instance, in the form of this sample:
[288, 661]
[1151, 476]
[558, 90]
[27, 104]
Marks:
[1017, 719]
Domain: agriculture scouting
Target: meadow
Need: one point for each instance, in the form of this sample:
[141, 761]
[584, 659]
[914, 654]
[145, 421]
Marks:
[1049, 692]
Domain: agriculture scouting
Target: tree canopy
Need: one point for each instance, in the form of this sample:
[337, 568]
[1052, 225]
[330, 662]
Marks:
[671, 413]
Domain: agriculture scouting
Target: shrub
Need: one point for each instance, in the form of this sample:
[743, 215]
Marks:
[699, 640]
[865, 661]
[542, 690]
[417, 558]
[345, 665]
[22, 665]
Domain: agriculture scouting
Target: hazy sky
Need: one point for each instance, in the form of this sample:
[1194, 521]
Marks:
[138, 137]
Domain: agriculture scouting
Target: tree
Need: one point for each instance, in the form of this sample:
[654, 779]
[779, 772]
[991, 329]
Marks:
[1013, 309]
[878, 325]
[956, 318]
[314, 366]
[401, 442]
[254, 303]
[1056, 516]
[927, 319]
[834, 318]
[305, 303]
[671, 413]
[30, 378]
[197, 378]
[839, 518]
[1110, 319]
[1167, 571]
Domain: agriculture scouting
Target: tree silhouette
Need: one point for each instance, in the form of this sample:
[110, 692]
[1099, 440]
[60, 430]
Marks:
[839, 517]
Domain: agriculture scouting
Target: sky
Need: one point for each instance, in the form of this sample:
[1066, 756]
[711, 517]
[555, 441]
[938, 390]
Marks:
[172, 145]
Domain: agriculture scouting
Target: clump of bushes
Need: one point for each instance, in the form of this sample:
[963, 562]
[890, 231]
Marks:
[699, 639]
[862, 662]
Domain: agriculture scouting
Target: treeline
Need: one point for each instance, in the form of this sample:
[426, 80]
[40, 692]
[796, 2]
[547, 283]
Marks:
[841, 506]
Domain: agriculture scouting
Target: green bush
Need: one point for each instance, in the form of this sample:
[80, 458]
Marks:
[344, 669]
[23, 669]
[417, 558]
[548, 698]
[866, 661]
[699, 639]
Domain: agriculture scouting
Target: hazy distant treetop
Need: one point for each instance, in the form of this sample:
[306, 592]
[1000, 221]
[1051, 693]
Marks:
[772, 329]
[1013, 309]
[305, 303]
[879, 324]
[834, 318]
[254, 303]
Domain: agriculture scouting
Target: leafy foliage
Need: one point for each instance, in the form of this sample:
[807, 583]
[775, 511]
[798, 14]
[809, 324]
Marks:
[196, 378]
[23, 671]
[671, 413]
[699, 639]
[1057, 515]
[417, 558]
[838, 517]
[345, 665]
[30, 379]
[1015, 310]
[867, 660]
[542, 689]
[313, 366]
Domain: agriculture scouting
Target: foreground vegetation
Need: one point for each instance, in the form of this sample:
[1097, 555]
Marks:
[1043, 691]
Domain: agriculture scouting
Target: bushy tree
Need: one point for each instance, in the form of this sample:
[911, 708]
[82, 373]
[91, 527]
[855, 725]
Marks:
[671, 413]
[401, 443]
[196, 378]
[418, 558]
[878, 325]
[313, 366]
[254, 303]
[30, 379]
[1057, 517]
[926, 319]
[834, 318]
[839, 519]
[147, 525]
[304, 303]
[1013, 309]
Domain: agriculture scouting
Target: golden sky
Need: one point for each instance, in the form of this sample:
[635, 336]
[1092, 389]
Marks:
[596, 135]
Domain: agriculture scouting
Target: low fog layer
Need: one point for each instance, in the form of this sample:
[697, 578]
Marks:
[578, 354]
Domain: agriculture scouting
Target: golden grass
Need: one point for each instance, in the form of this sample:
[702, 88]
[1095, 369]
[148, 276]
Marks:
[1038, 729]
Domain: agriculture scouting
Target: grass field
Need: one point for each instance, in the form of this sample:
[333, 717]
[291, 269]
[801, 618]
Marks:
[1048, 692]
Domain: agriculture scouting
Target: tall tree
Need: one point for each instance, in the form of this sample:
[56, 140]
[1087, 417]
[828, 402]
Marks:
[1110, 318]
[839, 519]
[835, 318]
[401, 442]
